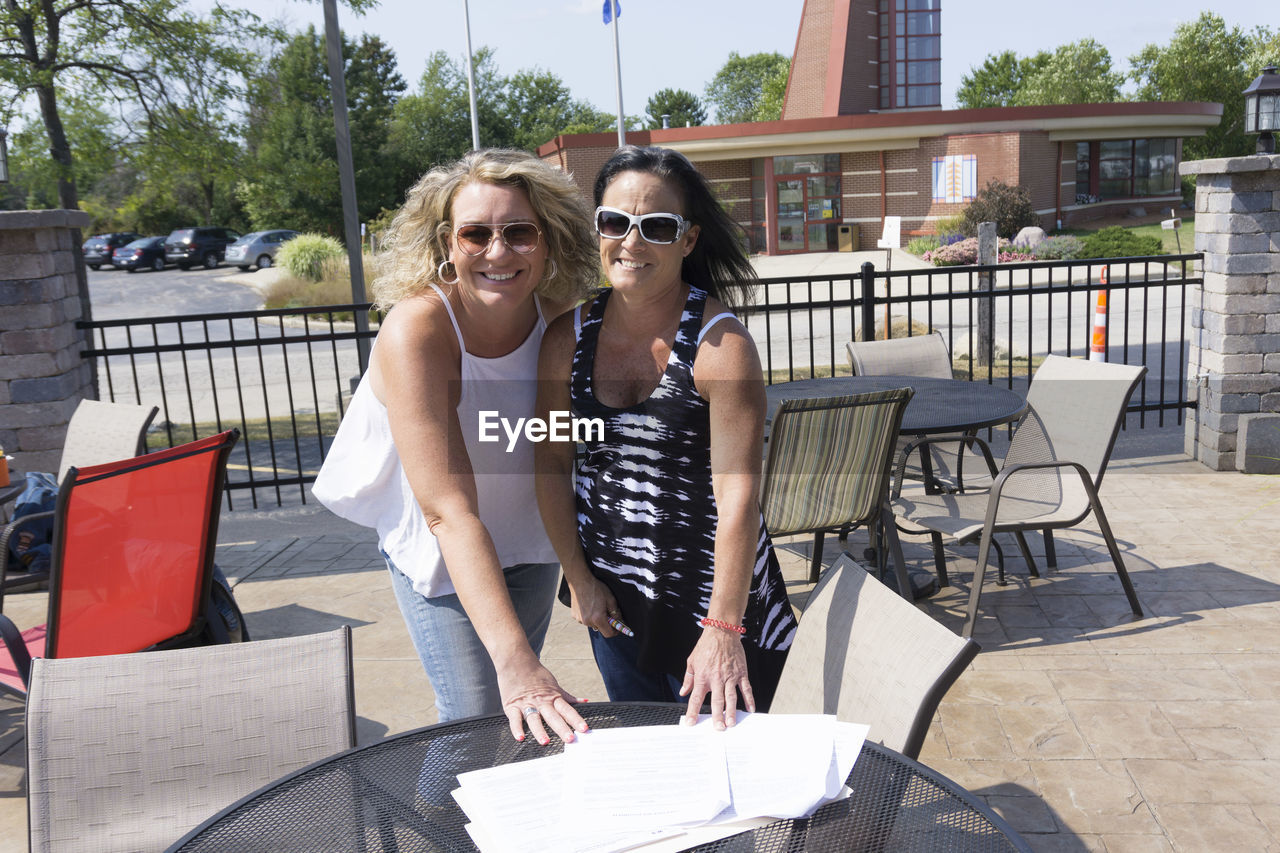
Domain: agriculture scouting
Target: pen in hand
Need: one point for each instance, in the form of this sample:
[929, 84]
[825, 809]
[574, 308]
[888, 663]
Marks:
[621, 627]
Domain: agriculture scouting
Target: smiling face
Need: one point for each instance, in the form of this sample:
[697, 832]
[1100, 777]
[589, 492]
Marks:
[498, 273]
[633, 261]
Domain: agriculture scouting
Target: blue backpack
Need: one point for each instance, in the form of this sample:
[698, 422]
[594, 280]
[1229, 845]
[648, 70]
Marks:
[31, 543]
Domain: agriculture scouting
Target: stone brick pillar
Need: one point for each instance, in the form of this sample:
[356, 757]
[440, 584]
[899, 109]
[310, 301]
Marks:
[42, 375]
[1234, 364]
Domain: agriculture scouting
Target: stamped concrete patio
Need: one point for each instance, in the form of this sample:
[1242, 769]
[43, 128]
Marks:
[1086, 728]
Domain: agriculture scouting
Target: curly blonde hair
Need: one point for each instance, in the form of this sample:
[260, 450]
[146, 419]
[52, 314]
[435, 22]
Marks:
[415, 245]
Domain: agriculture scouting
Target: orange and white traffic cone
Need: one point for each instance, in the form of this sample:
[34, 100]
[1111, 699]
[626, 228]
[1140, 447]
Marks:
[1098, 347]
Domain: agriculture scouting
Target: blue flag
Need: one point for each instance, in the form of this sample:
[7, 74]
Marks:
[611, 8]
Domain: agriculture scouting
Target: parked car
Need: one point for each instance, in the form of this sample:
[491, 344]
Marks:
[143, 253]
[98, 248]
[258, 248]
[187, 247]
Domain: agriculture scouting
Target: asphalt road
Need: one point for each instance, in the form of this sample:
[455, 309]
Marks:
[119, 294]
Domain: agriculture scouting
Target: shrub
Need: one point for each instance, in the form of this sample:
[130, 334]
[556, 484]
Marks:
[920, 245]
[1009, 207]
[966, 252]
[1062, 247]
[963, 252]
[1118, 242]
[950, 229]
[304, 256]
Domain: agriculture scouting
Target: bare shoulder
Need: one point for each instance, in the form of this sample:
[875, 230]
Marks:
[416, 337]
[727, 350]
[560, 336]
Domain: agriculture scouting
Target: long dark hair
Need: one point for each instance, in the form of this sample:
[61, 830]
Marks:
[718, 263]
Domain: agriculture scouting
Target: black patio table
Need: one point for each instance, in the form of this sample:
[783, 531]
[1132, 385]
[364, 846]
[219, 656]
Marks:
[938, 406]
[395, 795]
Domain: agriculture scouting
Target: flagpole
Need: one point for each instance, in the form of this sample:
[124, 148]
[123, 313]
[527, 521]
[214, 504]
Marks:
[471, 79]
[617, 71]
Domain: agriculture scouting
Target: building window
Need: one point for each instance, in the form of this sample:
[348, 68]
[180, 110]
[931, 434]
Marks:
[1125, 168]
[1083, 173]
[910, 51]
[955, 178]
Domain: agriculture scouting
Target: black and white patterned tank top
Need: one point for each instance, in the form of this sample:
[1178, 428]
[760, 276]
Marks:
[647, 514]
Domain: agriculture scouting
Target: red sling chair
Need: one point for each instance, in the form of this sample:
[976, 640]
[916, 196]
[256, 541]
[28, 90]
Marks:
[132, 559]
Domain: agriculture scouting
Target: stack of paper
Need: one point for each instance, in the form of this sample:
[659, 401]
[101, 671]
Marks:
[661, 787]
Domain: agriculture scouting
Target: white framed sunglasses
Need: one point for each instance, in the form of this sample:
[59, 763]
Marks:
[661, 228]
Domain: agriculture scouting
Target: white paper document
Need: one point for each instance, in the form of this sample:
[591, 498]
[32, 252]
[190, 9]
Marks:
[658, 788]
[644, 777]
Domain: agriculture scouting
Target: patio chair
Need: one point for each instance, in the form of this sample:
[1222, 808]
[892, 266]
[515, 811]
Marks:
[867, 656]
[828, 467]
[132, 559]
[128, 752]
[1051, 473]
[98, 432]
[919, 355]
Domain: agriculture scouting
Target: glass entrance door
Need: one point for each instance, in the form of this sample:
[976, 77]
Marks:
[809, 209]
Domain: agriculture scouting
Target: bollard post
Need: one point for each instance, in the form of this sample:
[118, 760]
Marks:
[988, 249]
[868, 301]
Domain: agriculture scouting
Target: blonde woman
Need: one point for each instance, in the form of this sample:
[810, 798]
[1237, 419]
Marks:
[483, 255]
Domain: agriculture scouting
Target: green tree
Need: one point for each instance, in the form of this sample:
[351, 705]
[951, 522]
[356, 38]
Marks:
[1075, 73]
[538, 106]
[91, 132]
[773, 94]
[52, 51]
[295, 182]
[996, 82]
[1205, 61]
[190, 153]
[374, 85]
[737, 90]
[433, 125]
[680, 106]
[291, 136]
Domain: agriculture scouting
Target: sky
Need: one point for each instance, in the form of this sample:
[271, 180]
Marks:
[681, 44]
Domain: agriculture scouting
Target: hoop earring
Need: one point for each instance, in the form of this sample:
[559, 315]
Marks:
[440, 274]
[554, 269]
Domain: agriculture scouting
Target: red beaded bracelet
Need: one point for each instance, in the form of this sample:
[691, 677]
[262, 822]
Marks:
[708, 622]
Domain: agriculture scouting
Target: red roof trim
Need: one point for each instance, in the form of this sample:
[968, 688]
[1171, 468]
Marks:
[885, 119]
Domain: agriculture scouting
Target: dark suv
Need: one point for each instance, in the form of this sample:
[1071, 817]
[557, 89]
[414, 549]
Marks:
[187, 247]
[98, 248]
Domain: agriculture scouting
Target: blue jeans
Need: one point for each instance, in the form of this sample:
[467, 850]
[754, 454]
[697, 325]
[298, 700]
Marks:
[623, 680]
[457, 664]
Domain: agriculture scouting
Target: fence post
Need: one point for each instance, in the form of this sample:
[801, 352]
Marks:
[987, 255]
[869, 301]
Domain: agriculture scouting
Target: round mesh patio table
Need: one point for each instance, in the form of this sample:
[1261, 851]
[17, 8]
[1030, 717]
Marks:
[395, 795]
[938, 405]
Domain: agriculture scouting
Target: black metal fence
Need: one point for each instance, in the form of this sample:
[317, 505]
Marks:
[998, 321]
[282, 377]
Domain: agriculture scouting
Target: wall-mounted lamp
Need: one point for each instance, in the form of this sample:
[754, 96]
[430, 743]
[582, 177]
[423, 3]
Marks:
[4, 156]
[1262, 109]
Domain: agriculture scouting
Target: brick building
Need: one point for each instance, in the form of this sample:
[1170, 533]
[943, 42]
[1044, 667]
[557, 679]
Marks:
[862, 137]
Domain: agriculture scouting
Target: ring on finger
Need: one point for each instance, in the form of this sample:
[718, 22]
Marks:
[530, 711]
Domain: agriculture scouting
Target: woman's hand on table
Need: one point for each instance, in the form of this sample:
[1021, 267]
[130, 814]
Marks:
[718, 665]
[533, 697]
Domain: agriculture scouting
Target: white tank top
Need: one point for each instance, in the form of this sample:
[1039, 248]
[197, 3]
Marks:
[362, 479]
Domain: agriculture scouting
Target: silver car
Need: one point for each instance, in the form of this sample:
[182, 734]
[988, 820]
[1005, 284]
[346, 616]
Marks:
[258, 248]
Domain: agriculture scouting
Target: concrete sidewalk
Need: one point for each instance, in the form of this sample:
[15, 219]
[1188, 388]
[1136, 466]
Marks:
[1086, 728]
